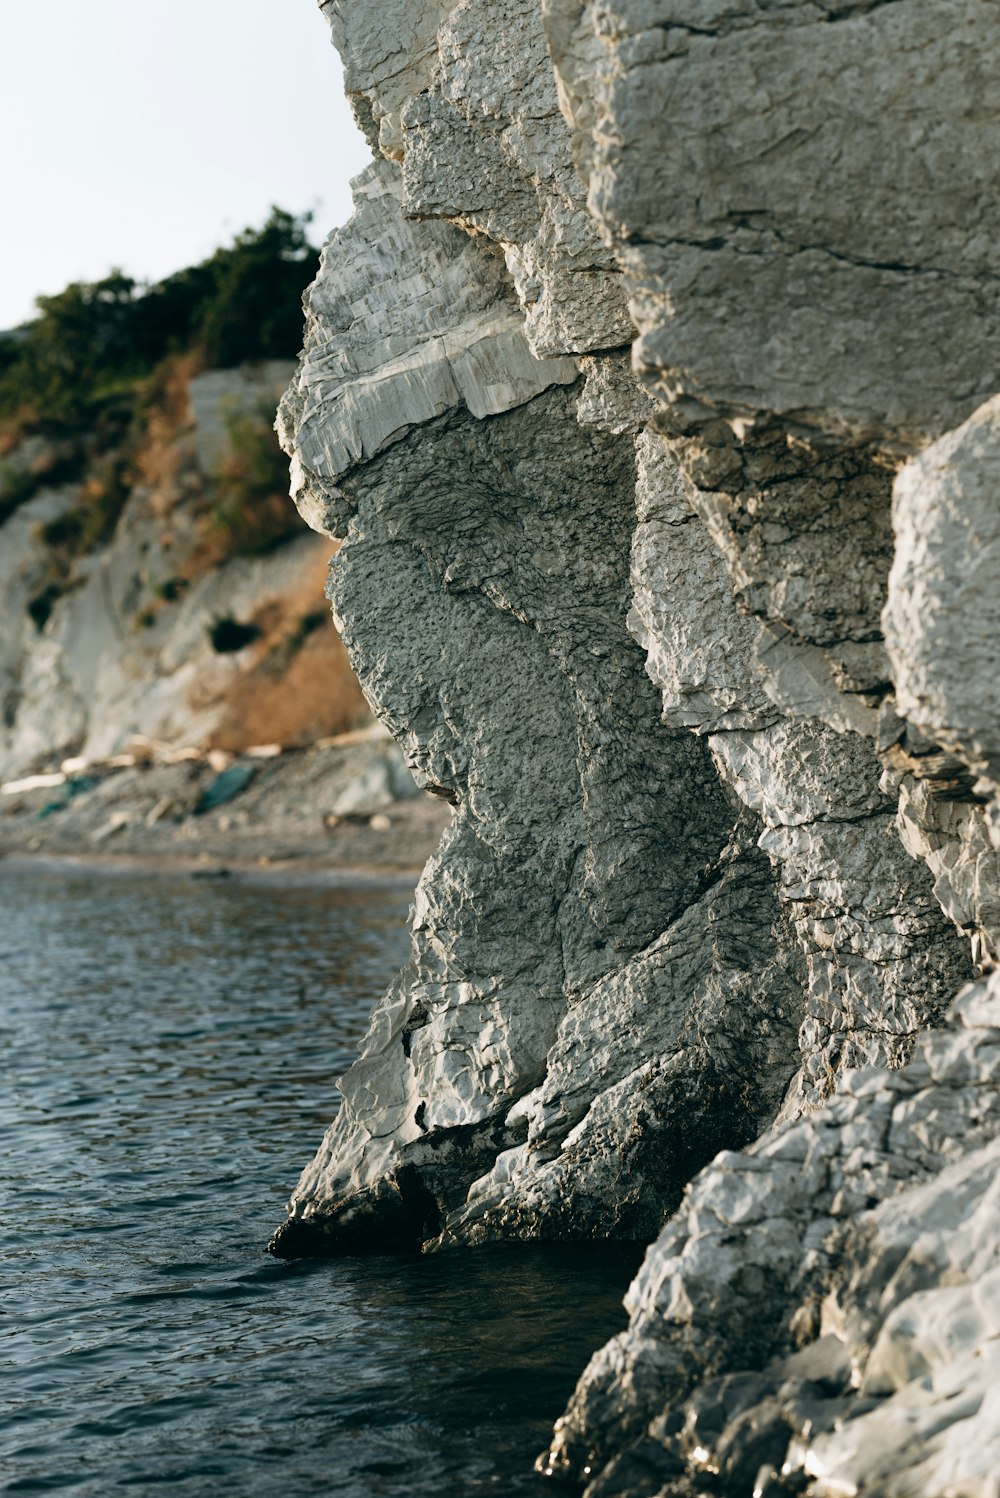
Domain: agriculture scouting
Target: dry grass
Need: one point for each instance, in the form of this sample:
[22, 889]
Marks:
[300, 687]
[162, 455]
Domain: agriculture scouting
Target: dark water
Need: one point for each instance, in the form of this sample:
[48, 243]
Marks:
[168, 1054]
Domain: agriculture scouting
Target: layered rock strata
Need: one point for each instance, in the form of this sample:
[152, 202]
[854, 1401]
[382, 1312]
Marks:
[722, 837]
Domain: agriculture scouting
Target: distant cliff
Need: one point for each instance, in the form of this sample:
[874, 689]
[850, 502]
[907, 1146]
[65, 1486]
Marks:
[156, 582]
[198, 619]
[649, 390]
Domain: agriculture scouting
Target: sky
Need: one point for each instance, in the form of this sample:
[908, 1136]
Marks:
[143, 136]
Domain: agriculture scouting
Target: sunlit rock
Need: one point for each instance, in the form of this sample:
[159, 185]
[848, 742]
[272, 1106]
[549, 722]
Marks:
[721, 855]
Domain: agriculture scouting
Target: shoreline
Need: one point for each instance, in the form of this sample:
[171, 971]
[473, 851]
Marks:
[336, 815]
[286, 871]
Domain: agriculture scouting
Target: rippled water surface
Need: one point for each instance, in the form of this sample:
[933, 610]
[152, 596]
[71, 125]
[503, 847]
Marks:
[169, 1047]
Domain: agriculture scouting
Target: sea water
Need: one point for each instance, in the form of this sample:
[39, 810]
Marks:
[168, 1052]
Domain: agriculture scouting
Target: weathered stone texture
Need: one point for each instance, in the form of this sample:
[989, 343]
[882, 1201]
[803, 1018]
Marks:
[790, 730]
[462, 94]
[942, 616]
[722, 850]
[482, 592]
[802, 196]
[793, 1314]
[408, 321]
[688, 1044]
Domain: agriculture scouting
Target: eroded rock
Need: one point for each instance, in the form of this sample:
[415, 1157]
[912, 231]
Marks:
[721, 855]
[829, 1237]
[942, 615]
[800, 196]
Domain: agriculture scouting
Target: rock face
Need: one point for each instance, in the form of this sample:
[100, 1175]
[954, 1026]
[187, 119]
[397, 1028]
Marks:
[124, 647]
[800, 195]
[725, 843]
[823, 1306]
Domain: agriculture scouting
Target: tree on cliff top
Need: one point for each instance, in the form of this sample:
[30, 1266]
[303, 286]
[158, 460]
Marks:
[93, 343]
[255, 311]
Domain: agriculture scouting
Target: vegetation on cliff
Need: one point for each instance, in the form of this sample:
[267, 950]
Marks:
[86, 355]
[95, 387]
[144, 512]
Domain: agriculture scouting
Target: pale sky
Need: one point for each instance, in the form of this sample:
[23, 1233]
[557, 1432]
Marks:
[144, 135]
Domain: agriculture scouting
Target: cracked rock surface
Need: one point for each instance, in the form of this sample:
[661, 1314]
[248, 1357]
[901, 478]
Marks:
[802, 197]
[699, 637]
[821, 1312]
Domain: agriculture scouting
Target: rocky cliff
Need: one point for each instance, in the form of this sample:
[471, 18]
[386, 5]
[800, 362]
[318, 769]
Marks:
[171, 683]
[649, 393]
[108, 641]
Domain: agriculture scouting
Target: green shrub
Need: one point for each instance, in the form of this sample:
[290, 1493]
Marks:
[78, 531]
[308, 624]
[255, 310]
[105, 499]
[252, 514]
[57, 584]
[84, 357]
[65, 531]
[171, 589]
[92, 522]
[40, 606]
[22, 484]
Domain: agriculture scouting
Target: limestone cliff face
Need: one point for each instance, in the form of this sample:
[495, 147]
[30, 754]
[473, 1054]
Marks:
[107, 643]
[700, 640]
